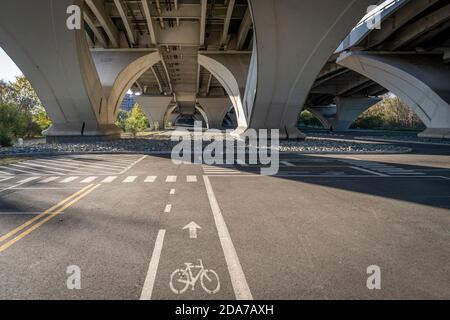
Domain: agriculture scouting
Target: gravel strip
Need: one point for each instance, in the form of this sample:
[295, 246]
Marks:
[163, 144]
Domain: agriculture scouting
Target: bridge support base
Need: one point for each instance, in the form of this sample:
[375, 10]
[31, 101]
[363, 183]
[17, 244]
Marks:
[438, 133]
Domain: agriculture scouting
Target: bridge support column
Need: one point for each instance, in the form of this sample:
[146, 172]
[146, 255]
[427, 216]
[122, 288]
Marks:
[155, 108]
[421, 81]
[293, 40]
[348, 109]
[216, 110]
[59, 66]
[231, 71]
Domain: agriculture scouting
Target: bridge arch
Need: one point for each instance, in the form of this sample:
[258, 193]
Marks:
[420, 81]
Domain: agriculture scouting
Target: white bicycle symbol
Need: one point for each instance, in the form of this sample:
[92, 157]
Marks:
[181, 279]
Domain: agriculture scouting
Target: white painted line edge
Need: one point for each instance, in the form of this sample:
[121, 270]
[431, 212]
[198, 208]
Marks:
[238, 280]
[147, 289]
[369, 171]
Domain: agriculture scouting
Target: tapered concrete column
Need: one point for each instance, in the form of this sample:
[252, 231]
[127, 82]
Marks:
[348, 110]
[231, 71]
[421, 81]
[215, 109]
[155, 108]
[325, 114]
[293, 40]
[58, 64]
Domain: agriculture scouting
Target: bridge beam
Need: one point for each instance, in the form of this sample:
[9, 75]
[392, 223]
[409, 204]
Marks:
[421, 81]
[294, 39]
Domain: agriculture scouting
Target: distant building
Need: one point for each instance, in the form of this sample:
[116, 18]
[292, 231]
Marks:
[128, 102]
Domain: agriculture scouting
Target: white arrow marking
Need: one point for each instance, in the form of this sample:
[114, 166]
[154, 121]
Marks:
[192, 230]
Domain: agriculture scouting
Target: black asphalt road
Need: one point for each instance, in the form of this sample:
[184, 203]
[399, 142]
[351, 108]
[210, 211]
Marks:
[310, 232]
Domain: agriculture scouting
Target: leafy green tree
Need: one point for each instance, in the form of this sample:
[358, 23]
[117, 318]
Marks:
[22, 95]
[122, 118]
[309, 120]
[137, 121]
[13, 124]
[42, 119]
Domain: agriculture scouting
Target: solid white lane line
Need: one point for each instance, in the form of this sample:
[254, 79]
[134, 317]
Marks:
[130, 179]
[287, 164]
[89, 180]
[191, 178]
[133, 164]
[36, 164]
[369, 171]
[49, 180]
[39, 170]
[238, 280]
[14, 169]
[172, 192]
[28, 179]
[147, 289]
[168, 208]
[109, 179]
[69, 179]
[82, 165]
[22, 182]
[150, 179]
[6, 178]
[171, 179]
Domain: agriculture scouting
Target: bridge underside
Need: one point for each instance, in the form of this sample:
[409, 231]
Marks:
[266, 59]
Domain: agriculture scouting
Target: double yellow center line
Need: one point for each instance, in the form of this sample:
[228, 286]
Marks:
[17, 234]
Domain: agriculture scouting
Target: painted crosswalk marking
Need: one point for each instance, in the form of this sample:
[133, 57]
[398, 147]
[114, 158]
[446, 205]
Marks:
[70, 179]
[89, 180]
[171, 179]
[150, 179]
[28, 180]
[74, 165]
[109, 179]
[191, 178]
[48, 180]
[379, 169]
[130, 179]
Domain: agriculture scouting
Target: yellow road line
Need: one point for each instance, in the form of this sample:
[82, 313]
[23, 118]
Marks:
[26, 224]
[49, 217]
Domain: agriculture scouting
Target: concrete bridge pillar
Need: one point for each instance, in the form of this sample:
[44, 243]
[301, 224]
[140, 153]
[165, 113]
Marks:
[215, 109]
[290, 51]
[232, 72]
[155, 108]
[421, 81]
[58, 65]
[348, 109]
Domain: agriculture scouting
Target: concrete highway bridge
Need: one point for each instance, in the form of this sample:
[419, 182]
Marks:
[265, 59]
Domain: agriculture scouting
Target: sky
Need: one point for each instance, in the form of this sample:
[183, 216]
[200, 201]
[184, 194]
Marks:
[8, 70]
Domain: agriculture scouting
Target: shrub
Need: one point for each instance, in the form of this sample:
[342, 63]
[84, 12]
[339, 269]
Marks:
[6, 139]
